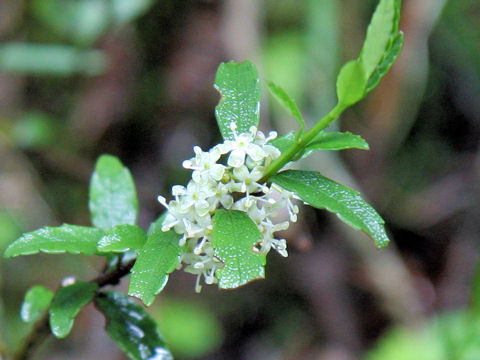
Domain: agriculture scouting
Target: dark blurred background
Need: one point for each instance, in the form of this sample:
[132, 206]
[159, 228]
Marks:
[133, 78]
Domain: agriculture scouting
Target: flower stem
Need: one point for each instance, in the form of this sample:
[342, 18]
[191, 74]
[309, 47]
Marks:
[302, 142]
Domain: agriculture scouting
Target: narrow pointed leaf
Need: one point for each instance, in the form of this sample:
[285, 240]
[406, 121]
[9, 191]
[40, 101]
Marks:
[57, 240]
[287, 102]
[347, 204]
[158, 258]
[380, 33]
[37, 300]
[234, 236]
[129, 325]
[67, 303]
[337, 141]
[389, 58]
[113, 198]
[239, 87]
[351, 83]
[122, 238]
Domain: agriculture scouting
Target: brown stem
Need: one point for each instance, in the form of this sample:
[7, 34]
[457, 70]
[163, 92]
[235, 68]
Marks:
[41, 331]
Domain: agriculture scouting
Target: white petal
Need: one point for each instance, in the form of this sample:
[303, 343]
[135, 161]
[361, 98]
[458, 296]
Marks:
[202, 207]
[217, 171]
[241, 173]
[178, 190]
[236, 158]
[256, 152]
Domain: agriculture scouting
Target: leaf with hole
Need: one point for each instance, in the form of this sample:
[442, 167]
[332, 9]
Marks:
[67, 238]
[113, 198]
[239, 86]
[158, 258]
[234, 238]
[67, 303]
[323, 193]
[131, 327]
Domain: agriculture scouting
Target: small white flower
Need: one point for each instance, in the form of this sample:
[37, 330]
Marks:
[214, 186]
[247, 180]
[205, 163]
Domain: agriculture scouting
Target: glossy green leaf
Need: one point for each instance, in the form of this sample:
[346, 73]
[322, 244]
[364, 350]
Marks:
[380, 33]
[234, 237]
[129, 325]
[48, 59]
[113, 198]
[122, 238]
[72, 239]
[337, 141]
[287, 102]
[347, 204]
[284, 142]
[67, 303]
[158, 258]
[389, 58]
[37, 299]
[240, 91]
[351, 83]
[156, 225]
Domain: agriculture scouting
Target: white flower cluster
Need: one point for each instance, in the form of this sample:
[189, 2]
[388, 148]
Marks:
[233, 186]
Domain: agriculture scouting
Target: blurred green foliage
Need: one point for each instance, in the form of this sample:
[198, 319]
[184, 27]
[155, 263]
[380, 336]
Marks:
[191, 329]
[49, 86]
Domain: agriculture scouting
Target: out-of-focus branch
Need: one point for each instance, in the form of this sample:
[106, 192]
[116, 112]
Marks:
[41, 330]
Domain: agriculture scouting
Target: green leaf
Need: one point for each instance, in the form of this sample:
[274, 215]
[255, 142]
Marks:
[287, 102]
[113, 198]
[158, 258]
[337, 141]
[323, 193]
[234, 237]
[67, 303]
[122, 238]
[351, 83]
[386, 63]
[37, 299]
[380, 33]
[239, 87]
[157, 224]
[48, 59]
[191, 330]
[284, 142]
[475, 295]
[81, 22]
[128, 10]
[129, 325]
[57, 240]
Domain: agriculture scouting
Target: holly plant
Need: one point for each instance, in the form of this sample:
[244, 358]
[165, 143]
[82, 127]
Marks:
[222, 224]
